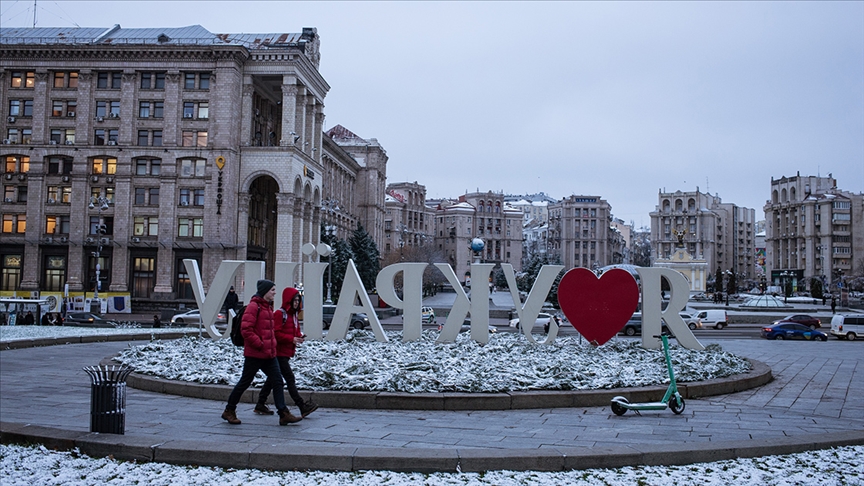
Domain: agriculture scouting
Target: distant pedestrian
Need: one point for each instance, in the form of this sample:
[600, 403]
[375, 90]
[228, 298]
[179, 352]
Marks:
[45, 319]
[823, 299]
[259, 353]
[29, 319]
[833, 304]
[157, 323]
[231, 300]
[288, 336]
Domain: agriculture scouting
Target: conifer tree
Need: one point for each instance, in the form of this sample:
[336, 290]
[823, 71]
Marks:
[366, 256]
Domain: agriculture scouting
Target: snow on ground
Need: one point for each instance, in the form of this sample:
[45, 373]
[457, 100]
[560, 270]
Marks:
[14, 333]
[36, 465]
[507, 363]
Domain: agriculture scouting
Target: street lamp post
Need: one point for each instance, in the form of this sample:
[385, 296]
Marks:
[102, 202]
[330, 208]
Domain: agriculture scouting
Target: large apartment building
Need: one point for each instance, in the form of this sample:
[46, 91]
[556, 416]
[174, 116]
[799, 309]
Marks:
[126, 151]
[722, 234]
[813, 230]
[408, 221]
[581, 232]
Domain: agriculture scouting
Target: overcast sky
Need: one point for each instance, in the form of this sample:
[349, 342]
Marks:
[618, 100]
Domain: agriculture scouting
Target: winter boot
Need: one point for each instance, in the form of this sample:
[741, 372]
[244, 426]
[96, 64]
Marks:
[262, 409]
[231, 416]
[286, 418]
[307, 407]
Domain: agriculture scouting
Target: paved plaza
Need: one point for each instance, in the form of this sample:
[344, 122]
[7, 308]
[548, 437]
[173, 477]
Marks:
[814, 401]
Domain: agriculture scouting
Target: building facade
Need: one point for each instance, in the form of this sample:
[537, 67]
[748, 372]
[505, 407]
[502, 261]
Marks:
[813, 230]
[478, 215]
[721, 234]
[408, 221]
[580, 232]
[126, 151]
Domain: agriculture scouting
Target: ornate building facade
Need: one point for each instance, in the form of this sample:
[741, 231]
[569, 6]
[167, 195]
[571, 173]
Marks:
[581, 232]
[126, 151]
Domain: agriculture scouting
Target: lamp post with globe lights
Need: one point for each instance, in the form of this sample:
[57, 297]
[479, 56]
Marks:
[102, 203]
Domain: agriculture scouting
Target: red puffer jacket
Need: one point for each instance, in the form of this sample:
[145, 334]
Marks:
[286, 324]
[259, 340]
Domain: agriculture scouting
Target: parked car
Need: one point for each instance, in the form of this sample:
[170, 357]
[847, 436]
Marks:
[634, 326]
[427, 315]
[358, 321]
[542, 320]
[699, 296]
[714, 317]
[193, 318]
[792, 330]
[850, 326]
[809, 321]
[86, 319]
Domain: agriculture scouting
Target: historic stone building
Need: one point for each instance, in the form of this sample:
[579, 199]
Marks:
[721, 234]
[481, 215]
[132, 149]
[581, 232]
[813, 230]
[408, 221]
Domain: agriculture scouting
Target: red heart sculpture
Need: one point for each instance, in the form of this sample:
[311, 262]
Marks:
[598, 308]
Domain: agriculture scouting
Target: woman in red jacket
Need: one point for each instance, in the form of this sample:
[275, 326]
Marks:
[288, 336]
[259, 353]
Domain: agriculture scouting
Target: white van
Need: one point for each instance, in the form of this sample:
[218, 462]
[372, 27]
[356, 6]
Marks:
[850, 326]
[713, 317]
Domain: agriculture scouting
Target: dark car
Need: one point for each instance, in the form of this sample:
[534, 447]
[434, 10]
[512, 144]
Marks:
[358, 321]
[86, 319]
[809, 321]
[792, 330]
[634, 327]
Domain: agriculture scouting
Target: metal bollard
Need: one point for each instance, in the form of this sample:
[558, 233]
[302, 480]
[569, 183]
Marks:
[108, 398]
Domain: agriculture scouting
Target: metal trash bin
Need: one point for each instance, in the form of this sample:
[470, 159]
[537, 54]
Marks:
[108, 398]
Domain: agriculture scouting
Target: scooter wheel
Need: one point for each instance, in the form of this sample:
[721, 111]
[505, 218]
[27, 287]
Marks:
[617, 408]
[677, 405]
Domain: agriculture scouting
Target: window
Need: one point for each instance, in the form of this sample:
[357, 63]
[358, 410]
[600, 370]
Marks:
[184, 197]
[97, 221]
[22, 194]
[198, 197]
[148, 166]
[16, 163]
[23, 79]
[193, 227]
[184, 283]
[14, 223]
[63, 136]
[105, 137]
[154, 196]
[150, 137]
[57, 225]
[152, 80]
[64, 79]
[59, 165]
[145, 226]
[196, 80]
[19, 135]
[143, 276]
[108, 108]
[20, 107]
[140, 196]
[109, 80]
[151, 109]
[55, 272]
[10, 271]
[104, 165]
[194, 139]
[63, 108]
[196, 110]
[192, 167]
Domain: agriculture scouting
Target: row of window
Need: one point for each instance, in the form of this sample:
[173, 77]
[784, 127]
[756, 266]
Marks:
[107, 166]
[197, 110]
[106, 136]
[143, 196]
[110, 80]
[54, 269]
[142, 225]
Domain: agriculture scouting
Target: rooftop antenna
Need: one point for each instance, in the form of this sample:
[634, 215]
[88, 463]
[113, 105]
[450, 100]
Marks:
[34, 14]
[707, 187]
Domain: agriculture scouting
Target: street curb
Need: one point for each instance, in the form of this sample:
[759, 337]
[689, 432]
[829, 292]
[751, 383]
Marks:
[281, 456]
[759, 374]
[134, 336]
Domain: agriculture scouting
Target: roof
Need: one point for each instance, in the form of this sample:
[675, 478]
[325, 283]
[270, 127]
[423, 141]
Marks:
[189, 35]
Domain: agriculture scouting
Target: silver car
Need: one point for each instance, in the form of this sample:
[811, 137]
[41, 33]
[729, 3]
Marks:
[193, 318]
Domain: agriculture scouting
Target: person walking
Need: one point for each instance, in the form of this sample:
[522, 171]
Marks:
[259, 353]
[288, 336]
[833, 304]
[231, 300]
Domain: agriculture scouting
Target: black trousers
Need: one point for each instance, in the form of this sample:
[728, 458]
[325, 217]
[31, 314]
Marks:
[270, 367]
[290, 384]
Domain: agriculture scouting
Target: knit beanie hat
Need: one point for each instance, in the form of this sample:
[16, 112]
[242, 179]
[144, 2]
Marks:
[264, 286]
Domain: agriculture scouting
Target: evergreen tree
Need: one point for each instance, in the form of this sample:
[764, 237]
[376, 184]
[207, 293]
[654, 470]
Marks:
[732, 284]
[529, 275]
[718, 280]
[816, 287]
[366, 256]
[338, 260]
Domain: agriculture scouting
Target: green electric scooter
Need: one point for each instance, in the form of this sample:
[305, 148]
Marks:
[672, 398]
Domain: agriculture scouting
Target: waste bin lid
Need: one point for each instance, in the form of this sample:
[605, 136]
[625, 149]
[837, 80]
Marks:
[107, 374]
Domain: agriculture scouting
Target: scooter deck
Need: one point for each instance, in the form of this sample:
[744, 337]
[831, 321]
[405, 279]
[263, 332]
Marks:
[645, 406]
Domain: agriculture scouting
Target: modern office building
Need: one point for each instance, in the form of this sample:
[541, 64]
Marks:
[813, 230]
[126, 151]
